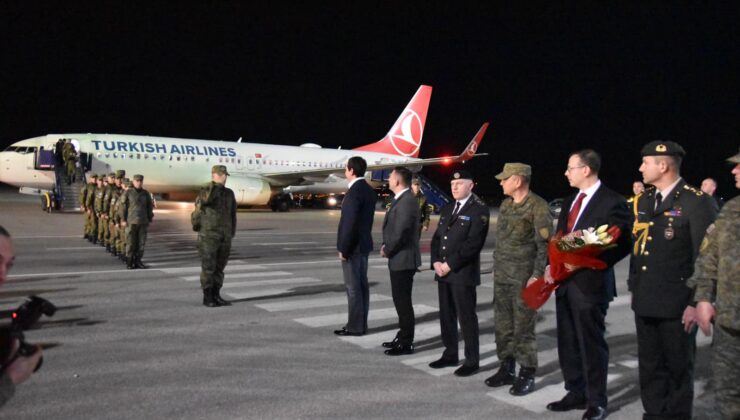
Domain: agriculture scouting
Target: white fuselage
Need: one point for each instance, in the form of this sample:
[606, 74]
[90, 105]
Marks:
[173, 165]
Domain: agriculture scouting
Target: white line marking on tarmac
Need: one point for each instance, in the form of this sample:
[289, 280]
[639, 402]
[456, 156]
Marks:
[325, 302]
[375, 314]
[246, 275]
[311, 248]
[284, 243]
[295, 280]
[229, 268]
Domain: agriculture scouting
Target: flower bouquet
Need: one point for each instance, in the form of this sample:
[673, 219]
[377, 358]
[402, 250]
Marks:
[578, 248]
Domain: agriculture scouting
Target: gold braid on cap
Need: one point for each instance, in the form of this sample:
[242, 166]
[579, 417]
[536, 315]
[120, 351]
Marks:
[639, 230]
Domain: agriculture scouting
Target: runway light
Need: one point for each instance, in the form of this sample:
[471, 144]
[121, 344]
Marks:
[331, 201]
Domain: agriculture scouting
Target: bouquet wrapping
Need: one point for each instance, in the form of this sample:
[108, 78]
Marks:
[580, 249]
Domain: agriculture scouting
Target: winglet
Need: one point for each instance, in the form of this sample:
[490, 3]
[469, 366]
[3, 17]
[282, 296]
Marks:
[472, 147]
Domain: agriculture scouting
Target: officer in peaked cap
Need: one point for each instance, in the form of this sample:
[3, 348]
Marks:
[214, 218]
[456, 245]
[670, 219]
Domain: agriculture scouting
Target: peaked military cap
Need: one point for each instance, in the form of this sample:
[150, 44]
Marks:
[120, 173]
[415, 181]
[521, 169]
[126, 182]
[94, 176]
[112, 175]
[138, 177]
[663, 148]
[462, 174]
[220, 169]
[734, 159]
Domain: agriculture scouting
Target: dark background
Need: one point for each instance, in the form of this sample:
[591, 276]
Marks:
[551, 78]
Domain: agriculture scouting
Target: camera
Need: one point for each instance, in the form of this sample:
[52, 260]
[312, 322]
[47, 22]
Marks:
[22, 319]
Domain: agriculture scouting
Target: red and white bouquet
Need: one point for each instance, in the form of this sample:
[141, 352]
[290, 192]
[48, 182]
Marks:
[578, 248]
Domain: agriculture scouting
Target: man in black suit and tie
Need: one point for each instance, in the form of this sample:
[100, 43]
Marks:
[401, 247]
[456, 245]
[581, 299]
[354, 243]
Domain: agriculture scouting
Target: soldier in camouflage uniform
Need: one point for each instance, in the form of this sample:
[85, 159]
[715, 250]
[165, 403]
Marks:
[670, 220]
[121, 243]
[92, 221]
[113, 219]
[214, 218]
[86, 189]
[98, 208]
[717, 280]
[424, 209]
[136, 212]
[524, 225]
[70, 161]
[107, 195]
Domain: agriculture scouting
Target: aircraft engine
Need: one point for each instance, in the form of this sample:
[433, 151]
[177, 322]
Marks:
[249, 191]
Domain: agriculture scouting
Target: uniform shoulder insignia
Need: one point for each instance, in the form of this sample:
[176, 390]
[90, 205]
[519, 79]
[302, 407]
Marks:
[545, 233]
[693, 190]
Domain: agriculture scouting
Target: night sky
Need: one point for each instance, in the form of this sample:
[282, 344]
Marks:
[551, 79]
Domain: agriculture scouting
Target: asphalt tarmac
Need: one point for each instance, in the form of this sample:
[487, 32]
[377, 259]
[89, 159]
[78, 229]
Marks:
[138, 344]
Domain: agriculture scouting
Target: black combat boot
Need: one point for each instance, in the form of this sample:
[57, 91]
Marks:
[107, 248]
[130, 263]
[505, 375]
[114, 252]
[93, 240]
[208, 299]
[217, 297]
[524, 383]
[139, 264]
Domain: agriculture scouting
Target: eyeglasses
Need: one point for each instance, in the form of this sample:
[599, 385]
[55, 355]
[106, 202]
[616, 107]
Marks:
[570, 168]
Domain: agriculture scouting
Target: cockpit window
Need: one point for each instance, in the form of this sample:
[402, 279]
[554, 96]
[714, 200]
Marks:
[11, 149]
[25, 150]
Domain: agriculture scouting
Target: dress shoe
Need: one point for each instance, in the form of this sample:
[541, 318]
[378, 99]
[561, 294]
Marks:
[390, 344]
[570, 401]
[524, 383]
[442, 363]
[505, 375]
[595, 413]
[400, 349]
[467, 370]
[343, 332]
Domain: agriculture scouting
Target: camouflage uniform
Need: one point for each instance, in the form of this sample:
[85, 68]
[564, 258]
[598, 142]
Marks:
[424, 211]
[70, 161]
[86, 217]
[717, 280]
[522, 231]
[216, 206]
[92, 220]
[107, 195]
[137, 210]
[114, 219]
[101, 222]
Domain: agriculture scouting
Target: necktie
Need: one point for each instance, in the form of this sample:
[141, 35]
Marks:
[573, 215]
[457, 209]
[658, 199]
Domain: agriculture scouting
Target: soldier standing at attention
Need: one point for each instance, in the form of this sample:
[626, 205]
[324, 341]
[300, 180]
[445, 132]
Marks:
[214, 218]
[524, 225]
[125, 185]
[136, 212]
[83, 200]
[717, 292]
[107, 196]
[456, 245]
[92, 220]
[113, 219]
[670, 220]
[98, 206]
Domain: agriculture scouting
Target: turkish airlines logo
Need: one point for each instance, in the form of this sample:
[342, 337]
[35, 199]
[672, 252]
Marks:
[472, 148]
[406, 136]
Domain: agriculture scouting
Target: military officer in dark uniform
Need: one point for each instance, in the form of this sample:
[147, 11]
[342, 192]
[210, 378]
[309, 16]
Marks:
[214, 218]
[456, 246]
[670, 219]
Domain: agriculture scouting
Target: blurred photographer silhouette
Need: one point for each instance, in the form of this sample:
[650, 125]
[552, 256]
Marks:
[16, 366]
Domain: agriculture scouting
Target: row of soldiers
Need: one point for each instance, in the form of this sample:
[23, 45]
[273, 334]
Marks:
[117, 213]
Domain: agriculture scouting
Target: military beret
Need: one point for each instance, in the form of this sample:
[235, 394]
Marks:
[521, 169]
[120, 173]
[138, 177]
[462, 174]
[220, 169]
[734, 159]
[663, 148]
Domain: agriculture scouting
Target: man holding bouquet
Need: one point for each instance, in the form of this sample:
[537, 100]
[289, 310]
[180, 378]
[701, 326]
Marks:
[671, 218]
[582, 349]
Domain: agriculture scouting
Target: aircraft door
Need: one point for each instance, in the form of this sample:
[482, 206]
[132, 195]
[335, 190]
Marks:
[44, 159]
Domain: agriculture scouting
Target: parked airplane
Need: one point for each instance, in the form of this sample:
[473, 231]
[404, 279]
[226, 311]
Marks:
[176, 168]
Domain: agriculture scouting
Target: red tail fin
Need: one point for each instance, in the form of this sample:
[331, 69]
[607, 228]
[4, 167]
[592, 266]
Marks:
[473, 145]
[404, 138]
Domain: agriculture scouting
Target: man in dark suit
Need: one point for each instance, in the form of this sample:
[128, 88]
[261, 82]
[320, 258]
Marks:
[456, 245]
[401, 247]
[354, 243]
[671, 218]
[581, 299]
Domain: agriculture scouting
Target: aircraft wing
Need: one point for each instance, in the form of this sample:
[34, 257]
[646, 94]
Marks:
[468, 153]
